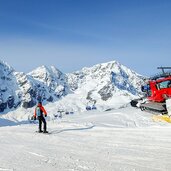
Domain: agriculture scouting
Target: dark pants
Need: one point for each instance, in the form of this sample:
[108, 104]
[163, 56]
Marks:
[42, 119]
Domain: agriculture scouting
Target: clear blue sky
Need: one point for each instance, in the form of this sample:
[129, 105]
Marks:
[71, 34]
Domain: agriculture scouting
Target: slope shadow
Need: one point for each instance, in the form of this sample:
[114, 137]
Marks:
[6, 122]
[71, 129]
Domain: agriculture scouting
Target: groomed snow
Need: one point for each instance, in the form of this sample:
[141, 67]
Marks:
[126, 139]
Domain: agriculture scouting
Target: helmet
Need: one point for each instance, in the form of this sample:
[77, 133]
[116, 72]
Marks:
[39, 103]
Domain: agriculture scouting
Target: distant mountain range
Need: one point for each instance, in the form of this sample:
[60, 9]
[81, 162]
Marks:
[98, 84]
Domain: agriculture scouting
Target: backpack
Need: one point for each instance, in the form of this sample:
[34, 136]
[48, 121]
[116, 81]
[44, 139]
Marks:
[38, 111]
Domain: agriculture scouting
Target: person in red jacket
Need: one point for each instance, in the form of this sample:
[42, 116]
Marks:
[40, 112]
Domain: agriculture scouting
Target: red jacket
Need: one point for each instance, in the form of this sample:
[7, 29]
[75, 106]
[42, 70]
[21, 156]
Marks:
[41, 108]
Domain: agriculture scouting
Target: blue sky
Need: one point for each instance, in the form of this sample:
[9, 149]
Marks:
[71, 34]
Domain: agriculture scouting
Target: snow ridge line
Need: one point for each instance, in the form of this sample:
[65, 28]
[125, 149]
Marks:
[3, 169]
[72, 129]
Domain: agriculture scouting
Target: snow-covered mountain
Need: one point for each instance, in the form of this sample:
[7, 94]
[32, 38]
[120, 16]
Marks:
[106, 79]
[18, 88]
[51, 83]
[102, 84]
[105, 84]
[9, 90]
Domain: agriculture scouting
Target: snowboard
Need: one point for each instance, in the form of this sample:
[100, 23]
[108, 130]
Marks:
[47, 133]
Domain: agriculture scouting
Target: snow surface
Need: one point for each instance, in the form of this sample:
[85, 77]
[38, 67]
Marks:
[125, 139]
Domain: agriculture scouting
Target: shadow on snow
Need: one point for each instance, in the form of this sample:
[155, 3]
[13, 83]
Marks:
[71, 129]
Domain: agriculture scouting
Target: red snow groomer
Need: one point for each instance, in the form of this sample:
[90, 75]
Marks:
[156, 91]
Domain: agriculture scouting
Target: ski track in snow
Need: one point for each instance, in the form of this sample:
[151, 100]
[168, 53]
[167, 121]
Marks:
[3, 169]
[39, 155]
[71, 129]
[120, 140]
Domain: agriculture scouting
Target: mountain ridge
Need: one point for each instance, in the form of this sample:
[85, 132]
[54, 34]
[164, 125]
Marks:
[99, 83]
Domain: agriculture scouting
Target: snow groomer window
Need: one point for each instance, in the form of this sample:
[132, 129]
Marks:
[164, 84]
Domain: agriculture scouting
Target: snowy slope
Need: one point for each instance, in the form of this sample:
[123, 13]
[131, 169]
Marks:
[125, 139]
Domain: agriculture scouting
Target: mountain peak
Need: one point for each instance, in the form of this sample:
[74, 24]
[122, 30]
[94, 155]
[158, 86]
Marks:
[4, 67]
[44, 71]
[106, 80]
